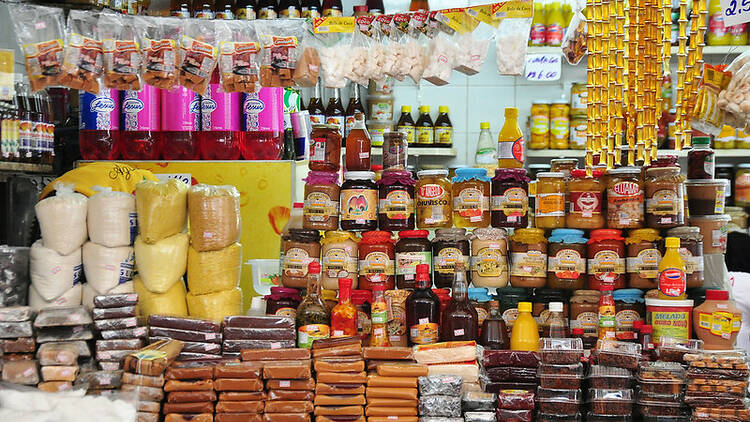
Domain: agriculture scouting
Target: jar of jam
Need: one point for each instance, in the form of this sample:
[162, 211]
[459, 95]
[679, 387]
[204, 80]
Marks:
[301, 247]
[321, 208]
[283, 301]
[480, 300]
[510, 198]
[448, 247]
[396, 200]
[691, 252]
[359, 201]
[550, 200]
[643, 258]
[413, 248]
[394, 151]
[471, 198]
[563, 165]
[509, 298]
[541, 301]
[339, 253]
[625, 198]
[377, 263]
[325, 148]
[528, 257]
[701, 159]
[566, 262]
[489, 257]
[434, 199]
[629, 308]
[584, 313]
[665, 203]
[362, 299]
[606, 259]
[586, 197]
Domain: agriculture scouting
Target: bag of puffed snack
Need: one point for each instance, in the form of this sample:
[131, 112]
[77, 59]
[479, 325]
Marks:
[398, 65]
[39, 31]
[417, 45]
[238, 57]
[83, 62]
[440, 59]
[280, 42]
[362, 62]
[308, 66]
[158, 40]
[574, 45]
[335, 57]
[122, 55]
[511, 43]
[472, 47]
[198, 54]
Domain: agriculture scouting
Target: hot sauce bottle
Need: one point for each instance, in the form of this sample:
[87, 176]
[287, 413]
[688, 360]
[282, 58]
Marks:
[606, 313]
[460, 317]
[423, 310]
[344, 314]
[379, 309]
[313, 321]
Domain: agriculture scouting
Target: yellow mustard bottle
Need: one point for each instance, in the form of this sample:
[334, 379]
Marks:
[510, 142]
[525, 333]
[671, 281]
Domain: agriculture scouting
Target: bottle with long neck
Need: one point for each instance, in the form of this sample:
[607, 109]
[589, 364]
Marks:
[180, 9]
[379, 312]
[358, 146]
[225, 9]
[375, 7]
[315, 107]
[510, 142]
[335, 111]
[460, 317]
[494, 334]
[344, 314]
[423, 310]
[354, 106]
[311, 9]
[557, 324]
[313, 321]
[289, 9]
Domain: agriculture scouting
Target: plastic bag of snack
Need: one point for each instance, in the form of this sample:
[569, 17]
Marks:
[708, 116]
[398, 65]
[308, 65]
[158, 39]
[83, 63]
[198, 54]
[238, 57]
[440, 60]
[39, 31]
[122, 54]
[335, 58]
[417, 45]
[472, 47]
[511, 43]
[734, 99]
[574, 45]
[280, 50]
[362, 62]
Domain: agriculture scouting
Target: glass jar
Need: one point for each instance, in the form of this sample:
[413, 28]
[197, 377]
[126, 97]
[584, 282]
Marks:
[643, 259]
[539, 126]
[665, 203]
[448, 247]
[691, 252]
[586, 198]
[329, 299]
[510, 198]
[283, 301]
[726, 172]
[584, 313]
[606, 259]
[471, 198]
[528, 257]
[359, 201]
[509, 298]
[395, 149]
[396, 200]
[742, 186]
[434, 199]
[578, 99]
[321, 209]
[578, 128]
[625, 198]
[361, 299]
[340, 258]
[664, 160]
[480, 300]
[559, 124]
[701, 159]
[540, 307]
[301, 247]
[566, 262]
[325, 148]
[377, 263]
[629, 308]
[489, 257]
[549, 212]
[563, 165]
[413, 248]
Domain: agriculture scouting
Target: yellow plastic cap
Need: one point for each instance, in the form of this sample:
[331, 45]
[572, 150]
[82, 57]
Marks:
[511, 112]
[406, 109]
[443, 109]
[424, 109]
[672, 242]
[524, 306]
[484, 125]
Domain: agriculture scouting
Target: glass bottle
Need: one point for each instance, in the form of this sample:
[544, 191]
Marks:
[486, 149]
[311, 9]
[335, 111]
[672, 282]
[203, 9]
[510, 142]
[332, 8]
[358, 145]
[417, 5]
[245, 10]
[354, 106]
[424, 135]
[406, 125]
[225, 9]
[606, 313]
[267, 9]
[312, 320]
[180, 9]
[290, 9]
[648, 352]
[525, 333]
[579, 333]
[344, 314]
[494, 333]
[460, 318]
[423, 310]
[375, 7]
[315, 107]
[379, 309]
[557, 324]
[443, 136]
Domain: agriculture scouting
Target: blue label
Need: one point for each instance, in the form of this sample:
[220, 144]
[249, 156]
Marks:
[133, 220]
[99, 112]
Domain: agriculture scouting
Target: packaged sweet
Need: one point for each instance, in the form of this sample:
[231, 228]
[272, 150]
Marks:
[672, 349]
[122, 55]
[58, 354]
[53, 274]
[18, 345]
[574, 45]
[108, 313]
[610, 402]
[185, 335]
[190, 324]
[80, 347]
[192, 396]
[511, 43]
[511, 358]
[559, 402]
[440, 406]
[508, 373]
[116, 300]
[54, 334]
[154, 358]
[214, 216]
[137, 332]
[59, 373]
[618, 354]
[335, 58]
[21, 372]
[82, 66]
[515, 399]
[445, 385]
[440, 60]
[262, 321]
[120, 344]
[39, 31]
[472, 47]
[198, 54]
[359, 51]
[479, 417]
[161, 264]
[115, 323]
[62, 219]
[55, 386]
[719, 101]
[235, 333]
[561, 351]
[16, 329]
[14, 276]
[439, 355]
[16, 314]
[238, 58]
[62, 317]
[195, 346]
[158, 41]
[275, 354]
[153, 201]
[280, 42]
[524, 416]
[145, 393]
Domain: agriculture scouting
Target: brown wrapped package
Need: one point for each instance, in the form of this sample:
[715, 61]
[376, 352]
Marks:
[402, 370]
[393, 418]
[390, 411]
[178, 417]
[308, 68]
[275, 354]
[345, 350]
[146, 417]
[191, 396]
[242, 396]
[55, 386]
[239, 407]
[387, 353]
[286, 417]
[398, 382]
[154, 358]
[145, 380]
[340, 419]
[238, 384]
[199, 385]
[288, 407]
[238, 417]
[342, 377]
[337, 389]
[307, 385]
[330, 400]
[194, 407]
[184, 371]
[292, 369]
[261, 321]
[214, 213]
[326, 343]
[339, 411]
[392, 393]
[19, 345]
[290, 395]
[381, 402]
[144, 393]
[372, 365]
[148, 406]
[59, 373]
[339, 366]
[12, 357]
[238, 370]
[190, 324]
[58, 354]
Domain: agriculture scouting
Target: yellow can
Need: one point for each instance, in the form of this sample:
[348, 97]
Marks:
[578, 100]
[559, 116]
[578, 128]
[539, 126]
[726, 139]
[743, 139]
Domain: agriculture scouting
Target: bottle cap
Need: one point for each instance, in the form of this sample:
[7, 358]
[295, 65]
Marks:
[555, 307]
[484, 125]
[577, 331]
[637, 324]
[672, 242]
[606, 287]
[345, 283]
[524, 306]
[313, 267]
[299, 205]
[717, 295]
[443, 109]
[406, 109]
[647, 329]
[424, 109]
[511, 112]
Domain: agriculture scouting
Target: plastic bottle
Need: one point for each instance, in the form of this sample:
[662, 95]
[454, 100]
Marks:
[443, 128]
[567, 10]
[718, 33]
[141, 124]
[557, 324]
[510, 143]
[606, 313]
[555, 22]
[180, 123]
[263, 124]
[423, 310]
[525, 333]
[99, 125]
[648, 351]
[379, 312]
[486, 153]
[671, 281]
[537, 36]
[425, 134]
[219, 137]
[406, 125]
[344, 314]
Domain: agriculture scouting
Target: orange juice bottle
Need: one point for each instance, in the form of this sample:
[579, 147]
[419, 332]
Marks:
[671, 281]
[525, 333]
[510, 142]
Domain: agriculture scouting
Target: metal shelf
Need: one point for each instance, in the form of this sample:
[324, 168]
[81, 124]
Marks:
[25, 167]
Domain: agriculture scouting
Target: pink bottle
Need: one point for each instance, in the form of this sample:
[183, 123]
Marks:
[180, 122]
[220, 124]
[140, 117]
[263, 124]
[99, 125]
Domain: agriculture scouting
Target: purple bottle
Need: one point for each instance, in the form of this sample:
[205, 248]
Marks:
[140, 118]
[180, 122]
[220, 124]
[263, 124]
[99, 125]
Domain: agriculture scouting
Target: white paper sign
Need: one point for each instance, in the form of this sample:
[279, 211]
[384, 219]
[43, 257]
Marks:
[735, 12]
[544, 67]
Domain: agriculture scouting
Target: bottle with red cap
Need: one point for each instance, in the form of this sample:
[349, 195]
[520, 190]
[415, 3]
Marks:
[344, 314]
[647, 344]
[606, 313]
[717, 321]
[379, 316]
[423, 310]
[313, 321]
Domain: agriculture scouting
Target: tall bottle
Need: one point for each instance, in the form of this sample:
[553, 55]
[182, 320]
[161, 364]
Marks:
[538, 34]
[510, 143]
[425, 135]
[555, 22]
[406, 125]
[180, 123]
[48, 156]
[245, 10]
[315, 107]
[311, 9]
[459, 320]
[203, 9]
[25, 124]
[141, 123]
[99, 124]
[312, 320]
[263, 124]
[354, 106]
[423, 310]
[13, 132]
[417, 5]
[37, 128]
[290, 9]
[358, 146]
[375, 7]
[606, 313]
[267, 9]
[344, 314]
[557, 324]
[525, 332]
[443, 129]
[332, 8]
[219, 138]
[225, 9]
[494, 333]
[335, 111]
[181, 8]
[671, 281]
[486, 148]
[379, 317]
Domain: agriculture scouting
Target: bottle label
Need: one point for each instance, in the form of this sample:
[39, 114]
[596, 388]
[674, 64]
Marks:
[318, 150]
[181, 111]
[567, 264]
[511, 150]
[692, 263]
[444, 135]
[537, 35]
[718, 323]
[290, 12]
[226, 14]
[267, 13]
[263, 111]
[672, 282]
[204, 14]
[140, 110]
[716, 25]
[664, 202]
[397, 205]
[406, 263]
[471, 203]
[528, 264]
[319, 207]
[307, 334]
[25, 135]
[348, 125]
[445, 261]
[606, 266]
[408, 132]
[376, 266]
[296, 261]
[424, 135]
[359, 205]
[338, 121]
[310, 13]
[425, 332]
[645, 264]
[99, 112]
[317, 119]
[719, 237]
[586, 204]
[719, 200]
[335, 13]
[509, 316]
[286, 312]
[337, 263]
[607, 316]
[514, 203]
[379, 313]
[671, 324]
[246, 13]
[220, 111]
[482, 315]
[489, 261]
[550, 205]
[554, 34]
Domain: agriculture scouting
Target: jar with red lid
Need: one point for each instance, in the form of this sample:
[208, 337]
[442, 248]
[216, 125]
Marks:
[396, 200]
[606, 259]
[665, 160]
[321, 209]
[283, 301]
[413, 248]
[325, 148]
[510, 198]
[362, 299]
[377, 263]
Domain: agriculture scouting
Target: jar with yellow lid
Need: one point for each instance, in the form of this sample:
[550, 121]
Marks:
[559, 125]
[726, 139]
[528, 256]
[549, 210]
[539, 126]
[642, 262]
[471, 198]
[742, 139]
[578, 100]
[339, 254]
[586, 198]
[434, 199]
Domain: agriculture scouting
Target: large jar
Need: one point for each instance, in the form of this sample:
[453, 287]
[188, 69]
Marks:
[714, 229]
[448, 247]
[471, 198]
[489, 257]
[549, 212]
[359, 201]
[510, 198]
[340, 256]
[625, 198]
[691, 252]
[742, 186]
[283, 301]
[559, 124]
[643, 259]
[396, 200]
[665, 204]
[566, 262]
[395, 148]
[528, 257]
[540, 307]
[584, 313]
[629, 308]
[321, 209]
[377, 263]
[325, 148]
[509, 298]
[301, 247]
[586, 198]
[606, 259]
[413, 248]
[563, 165]
[434, 199]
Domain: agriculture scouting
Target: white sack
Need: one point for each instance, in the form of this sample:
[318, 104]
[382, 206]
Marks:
[161, 264]
[51, 273]
[112, 220]
[72, 297]
[62, 220]
[87, 296]
[105, 267]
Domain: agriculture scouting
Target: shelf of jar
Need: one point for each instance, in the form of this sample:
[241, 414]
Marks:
[26, 167]
[707, 50]
[417, 151]
[577, 153]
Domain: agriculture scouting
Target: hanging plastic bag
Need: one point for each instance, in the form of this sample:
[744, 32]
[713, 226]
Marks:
[511, 44]
[280, 50]
[39, 31]
[83, 63]
[398, 66]
[359, 51]
[472, 47]
[308, 66]
[440, 60]
[122, 55]
[238, 57]
[708, 117]
[574, 45]
[417, 44]
[158, 39]
[335, 58]
[198, 54]
[734, 99]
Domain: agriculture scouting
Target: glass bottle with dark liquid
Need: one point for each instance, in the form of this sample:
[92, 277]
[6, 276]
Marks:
[354, 106]
[335, 111]
[417, 5]
[424, 135]
[203, 9]
[267, 9]
[332, 8]
[423, 310]
[443, 136]
[245, 10]
[181, 9]
[375, 7]
[494, 332]
[406, 125]
[225, 9]
[311, 9]
[315, 108]
[289, 9]
[459, 318]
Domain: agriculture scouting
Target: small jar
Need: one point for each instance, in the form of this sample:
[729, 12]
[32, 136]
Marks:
[584, 313]
[359, 201]
[395, 149]
[325, 148]
[448, 247]
[629, 308]
[510, 198]
[701, 159]
[539, 126]
[480, 300]
[301, 247]
[377, 263]
[283, 301]
[509, 298]
[329, 298]
[413, 248]
[549, 212]
[563, 165]
[471, 198]
[528, 257]
[434, 206]
[541, 301]
[665, 203]
[339, 254]
[625, 198]
[362, 299]
[606, 259]
[643, 258]
[396, 200]
[489, 257]
[566, 262]
[321, 209]
[691, 252]
[586, 198]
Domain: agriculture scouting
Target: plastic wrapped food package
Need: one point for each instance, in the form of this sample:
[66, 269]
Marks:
[618, 354]
[308, 67]
[62, 317]
[59, 373]
[16, 313]
[515, 399]
[215, 306]
[238, 58]
[479, 401]
[574, 44]
[18, 345]
[445, 385]
[161, 208]
[119, 344]
[562, 351]
[80, 348]
[511, 43]
[559, 402]
[515, 415]
[515, 358]
[53, 274]
[105, 267]
[171, 302]
[430, 355]
[14, 276]
[161, 264]
[71, 297]
[122, 55]
[440, 60]
[280, 51]
[185, 335]
[21, 372]
[607, 377]
[469, 372]
[56, 334]
[111, 218]
[115, 323]
[672, 349]
[335, 58]
[116, 300]
[472, 49]
[214, 271]
[15, 329]
[158, 39]
[441, 406]
[191, 324]
[39, 30]
[509, 373]
[610, 402]
[198, 54]
[62, 220]
[82, 66]
[108, 313]
[214, 217]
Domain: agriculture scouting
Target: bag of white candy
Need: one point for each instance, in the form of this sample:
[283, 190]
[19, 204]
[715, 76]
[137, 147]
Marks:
[511, 44]
[441, 56]
[335, 55]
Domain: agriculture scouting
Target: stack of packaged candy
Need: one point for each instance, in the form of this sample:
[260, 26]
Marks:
[18, 346]
[201, 338]
[440, 397]
[258, 332]
[560, 373]
[59, 360]
[384, 403]
[338, 361]
[480, 407]
[113, 344]
[717, 385]
[190, 390]
[240, 388]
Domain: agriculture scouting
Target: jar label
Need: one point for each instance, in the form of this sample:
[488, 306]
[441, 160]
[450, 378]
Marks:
[337, 263]
[719, 237]
[445, 261]
[560, 128]
[578, 135]
[672, 282]
[424, 135]
[579, 101]
[625, 204]
[444, 135]
[645, 264]
[528, 264]
[408, 132]
[719, 200]
[692, 263]
[589, 321]
[338, 121]
[567, 264]
[489, 262]
[514, 203]
[550, 204]
[286, 312]
[433, 205]
[406, 263]
[717, 323]
[482, 314]
[307, 334]
[424, 333]
[624, 320]
[376, 266]
[319, 207]
[318, 150]
[364, 324]
[606, 266]
[586, 203]
[397, 205]
[359, 205]
[664, 202]
[296, 261]
[510, 315]
[471, 204]
[539, 124]
[673, 324]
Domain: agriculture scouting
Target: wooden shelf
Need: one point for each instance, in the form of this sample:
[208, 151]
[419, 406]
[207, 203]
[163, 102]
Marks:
[25, 167]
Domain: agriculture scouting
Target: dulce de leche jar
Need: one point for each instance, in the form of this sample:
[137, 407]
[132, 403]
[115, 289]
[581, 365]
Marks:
[489, 257]
[359, 201]
[528, 257]
[566, 262]
[606, 259]
[643, 258]
[434, 199]
[413, 248]
[339, 256]
[510, 198]
[377, 263]
[301, 247]
[321, 208]
[448, 247]
[396, 200]
[586, 198]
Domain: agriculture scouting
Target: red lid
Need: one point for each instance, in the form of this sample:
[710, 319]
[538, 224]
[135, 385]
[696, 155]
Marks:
[359, 297]
[577, 331]
[298, 205]
[345, 283]
[411, 234]
[605, 234]
[313, 267]
[378, 287]
[581, 173]
[361, 8]
[637, 324]
[717, 295]
[647, 329]
[606, 287]
[442, 292]
[376, 236]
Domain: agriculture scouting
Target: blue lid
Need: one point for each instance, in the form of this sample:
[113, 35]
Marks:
[629, 295]
[567, 236]
[469, 173]
[479, 294]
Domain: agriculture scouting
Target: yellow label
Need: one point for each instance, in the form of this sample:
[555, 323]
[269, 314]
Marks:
[718, 323]
[539, 124]
[6, 75]
[334, 24]
[424, 333]
[408, 132]
[444, 135]
[150, 354]
[425, 135]
[670, 324]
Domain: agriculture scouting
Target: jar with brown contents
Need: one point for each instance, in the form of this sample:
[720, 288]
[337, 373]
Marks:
[563, 165]
[584, 313]
[321, 209]
[606, 259]
[448, 247]
[339, 254]
[434, 200]
[586, 198]
[396, 200]
[549, 209]
[643, 258]
[691, 252]
[489, 257]
[325, 148]
[471, 198]
[528, 255]
[566, 262]
[301, 247]
[413, 248]
[665, 206]
[625, 198]
[510, 198]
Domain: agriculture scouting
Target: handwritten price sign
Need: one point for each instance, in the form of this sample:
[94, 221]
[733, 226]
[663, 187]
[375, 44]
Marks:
[735, 11]
[545, 67]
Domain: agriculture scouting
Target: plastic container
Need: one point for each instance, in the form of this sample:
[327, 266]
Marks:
[706, 196]
[661, 378]
[558, 402]
[681, 418]
[561, 351]
[714, 230]
[610, 402]
[560, 376]
[547, 417]
[654, 408]
[618, 354]
[670, 318]
[609, 378]
[377, 129]
[674, 350]
[593, 417]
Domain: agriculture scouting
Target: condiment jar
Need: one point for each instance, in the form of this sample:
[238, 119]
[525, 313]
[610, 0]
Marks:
[584, 313]
[301, 247]
[359, 201]
[480, 299]
[691, 252]
[665, 203]
[566, 262]
[283, 301]
[325, 148]
[321, 209]
[377, 256]
[629, 308]
[339, 254]
[717, 321]
[528, 257]
[448, 247]
[509, 298]
[396, 200]
[395, 148]
[625, 198]
[471, 198]
[361, 299]
[643, 258]
[586, 198]
[549, 212]
[489, 257]
[701, 161]
[434, 199]
[714, 229]
[563, 165]
[606, 259]
[510, 198]
[413, 248]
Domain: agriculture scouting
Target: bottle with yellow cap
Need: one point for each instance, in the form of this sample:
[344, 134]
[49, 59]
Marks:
[525, 333]
[425, 133]
[671, 280]
[443, 128]
[406, 125]
[486, 155]
[510, 143]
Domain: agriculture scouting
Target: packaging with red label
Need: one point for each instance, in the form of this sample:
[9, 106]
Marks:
[672, 282]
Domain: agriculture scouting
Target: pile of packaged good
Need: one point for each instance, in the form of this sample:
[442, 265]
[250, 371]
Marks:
[117, 328]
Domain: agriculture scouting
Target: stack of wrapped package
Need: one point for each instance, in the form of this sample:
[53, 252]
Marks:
[560, 354]
[392, 392]
[375, 356]
[190, 392]
[18, 345]
[99, 382]
[510, 369]
[241, 396]
[478, 406]
[560, 375]
[201, 338]
[717, 382]
[515, 405]
[57, 329]
[451, 358]
[117, 325]
[440, 397]
[257, 332]
[340, 373]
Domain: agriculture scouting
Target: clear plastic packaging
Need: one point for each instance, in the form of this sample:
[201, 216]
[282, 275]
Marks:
[83, 62]
[511, 358]
[185, 335]
[122, 54]
[511, 43]
[560, 376]
[238, 58]
[360, 53]
[335, 58]
[445, 385]
[62, 219]
[39, 31]
[653, 408]
[21, 372]
[190, 324]
[16, 329]
[558, 402]
[593, 417]
[515, 415]
[279, 41]
[108, 313]
[608, 377]
[62, 317]
[137, 332]
[479, 401]
[240, 345]
[552, 417]
[610, 402]
[440, 406]
[57, 354]
[619, 354]
[154, 200]
[198, 54]
[308, 66]
[116, 301]
[81, 348]
[14, 276]
[120, 344]
[479, 417]
[515, 399]
[472, 47]
[115, 323]
[672, 349]
[509, 373]
[574, 44]
[53, 334]
[561, 351]
[214, 216]
[158, 40]
[440, 60]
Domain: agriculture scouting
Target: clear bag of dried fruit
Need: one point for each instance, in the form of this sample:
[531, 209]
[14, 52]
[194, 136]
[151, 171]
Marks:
[39, 30]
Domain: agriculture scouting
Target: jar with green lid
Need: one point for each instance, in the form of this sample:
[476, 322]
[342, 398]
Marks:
[480, 300]
[509, 298]
[642, 262]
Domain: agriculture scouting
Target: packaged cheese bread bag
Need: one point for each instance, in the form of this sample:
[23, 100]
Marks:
[214, 271]
[163, 263]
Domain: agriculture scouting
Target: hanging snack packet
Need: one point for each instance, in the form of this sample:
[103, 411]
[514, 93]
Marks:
[122, 56]
[574, 45]
[472, 44]
[417, 45]
[308, 66]
[238, 57]
[399, 68]
[39, 30]
[198, 54]
[379, 51]
[279, 54]
[158, 38]
[442, 54]
[362, 62]
[83, 63]
[511, 43]
[335, 52]
[708, 117]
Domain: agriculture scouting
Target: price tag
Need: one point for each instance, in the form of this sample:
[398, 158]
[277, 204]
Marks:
[735, 12]
[544, 67]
